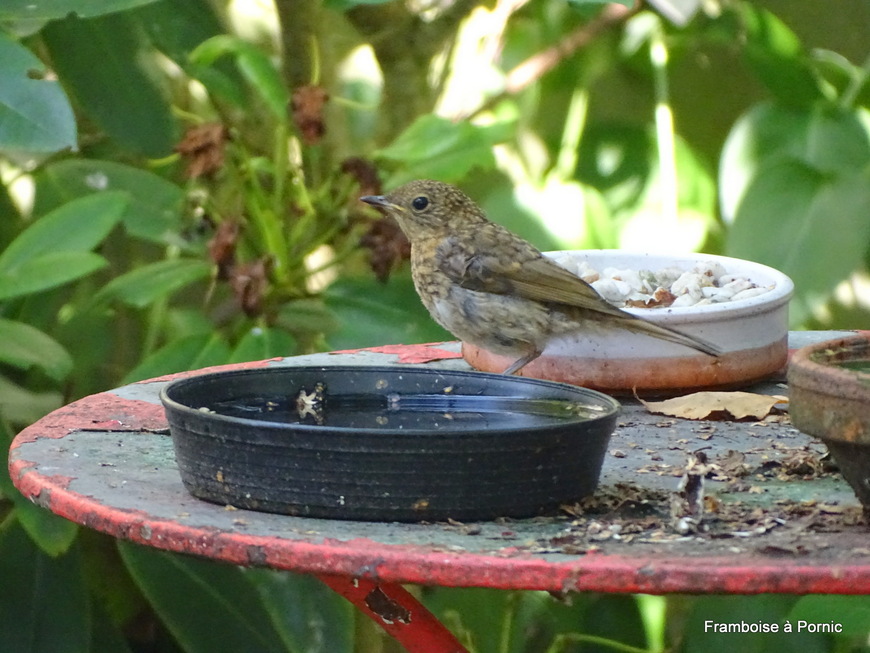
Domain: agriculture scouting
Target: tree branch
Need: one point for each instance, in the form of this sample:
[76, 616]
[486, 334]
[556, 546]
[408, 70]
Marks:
[535, 67]
[299, 25]
[404, 46]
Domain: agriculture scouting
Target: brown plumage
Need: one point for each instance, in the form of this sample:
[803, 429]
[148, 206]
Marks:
[491, 288]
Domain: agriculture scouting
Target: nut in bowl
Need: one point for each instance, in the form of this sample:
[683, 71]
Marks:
[739, 306]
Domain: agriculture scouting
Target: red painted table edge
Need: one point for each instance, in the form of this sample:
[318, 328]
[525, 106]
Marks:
[368, 573]
[361, 558]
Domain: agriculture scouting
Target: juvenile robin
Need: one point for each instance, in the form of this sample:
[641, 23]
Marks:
[491, 288]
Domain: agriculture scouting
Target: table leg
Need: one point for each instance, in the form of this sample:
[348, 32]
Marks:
[398, 612]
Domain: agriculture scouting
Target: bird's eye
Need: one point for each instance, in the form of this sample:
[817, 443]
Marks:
[420, 203]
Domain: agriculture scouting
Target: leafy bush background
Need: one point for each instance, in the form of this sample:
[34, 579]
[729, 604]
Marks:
[741, 130]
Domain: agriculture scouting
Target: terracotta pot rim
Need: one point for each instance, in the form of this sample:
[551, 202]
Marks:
[807, 372]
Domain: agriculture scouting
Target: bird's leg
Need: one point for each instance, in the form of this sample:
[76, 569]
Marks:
[520, 363]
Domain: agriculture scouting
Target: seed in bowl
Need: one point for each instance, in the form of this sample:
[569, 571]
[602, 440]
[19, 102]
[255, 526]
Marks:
[706, 283]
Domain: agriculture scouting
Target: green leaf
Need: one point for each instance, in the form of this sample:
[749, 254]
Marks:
[253, 63]
[344, 5]
[829, 140]
[106, 635]
[21, 406]
[306, 315]
[154, 210]
[261, 343]
[477, 615]
[50, 9]
[844, 79]
[207, 606]
[77, 226]
[852, 613]
[187, 320]
[44, 606]
[48, 271]
[580, 3]
[777, 56]
[530, 621]
[567, 210]
[177, 28]
[765, 609]
[505, 203]
[107, 77]
[438, 148]
[144, 285]
[371, 313]
[35, 114]
[24, 346]
[679, 12]
[812, 228]
[619, 161]
[188, 353]
[642, 227]
[309, 616]
[53, 534]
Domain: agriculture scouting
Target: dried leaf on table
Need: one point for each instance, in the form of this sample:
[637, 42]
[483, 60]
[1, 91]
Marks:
[717, 405]
[733, 463]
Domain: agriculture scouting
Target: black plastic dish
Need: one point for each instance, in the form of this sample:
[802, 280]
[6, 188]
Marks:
[480, 455]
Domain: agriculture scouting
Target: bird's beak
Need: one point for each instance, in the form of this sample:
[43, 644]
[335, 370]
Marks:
[381, 202]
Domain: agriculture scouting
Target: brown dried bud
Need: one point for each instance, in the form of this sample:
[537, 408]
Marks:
[307, 105]
[203, 146]
[387, 246]
[222, 247]
[249, 282]
[364, 172]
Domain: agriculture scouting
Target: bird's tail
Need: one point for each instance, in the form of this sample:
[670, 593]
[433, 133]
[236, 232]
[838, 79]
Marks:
[640, 325]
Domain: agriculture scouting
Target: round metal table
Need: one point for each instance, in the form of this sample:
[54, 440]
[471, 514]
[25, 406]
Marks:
[107, 462]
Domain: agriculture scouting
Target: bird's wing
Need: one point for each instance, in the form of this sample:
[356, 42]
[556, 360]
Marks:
[498, 262]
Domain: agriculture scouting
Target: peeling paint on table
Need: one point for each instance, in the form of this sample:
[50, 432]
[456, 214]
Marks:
[107, 462]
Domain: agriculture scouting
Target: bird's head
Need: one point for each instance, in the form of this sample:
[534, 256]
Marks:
[426, 208]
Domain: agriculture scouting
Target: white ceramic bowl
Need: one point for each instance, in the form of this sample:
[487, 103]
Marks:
[752, 334]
